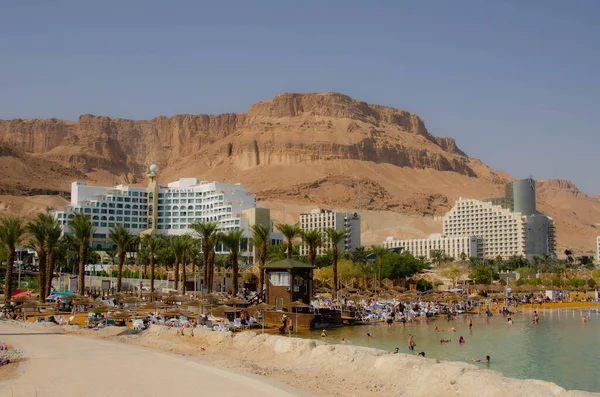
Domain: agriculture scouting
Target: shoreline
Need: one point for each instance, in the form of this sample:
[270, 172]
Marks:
[328, 369]
[320, 368]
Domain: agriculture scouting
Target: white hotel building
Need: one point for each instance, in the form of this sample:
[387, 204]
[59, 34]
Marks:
[503, 232]
[321, 219]
[455, 247]
[179, 204]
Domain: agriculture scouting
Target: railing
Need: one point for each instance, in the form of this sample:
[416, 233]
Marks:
[258, 298]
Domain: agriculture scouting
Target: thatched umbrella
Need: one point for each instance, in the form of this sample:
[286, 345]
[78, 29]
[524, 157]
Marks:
[297, 305]
[235, 301]
[118, 295]
[155, 294]
[323, 290]
[71, 297]
[21, 299]
[176, 298]
[262, 307]
[84, 301]
[130, 300]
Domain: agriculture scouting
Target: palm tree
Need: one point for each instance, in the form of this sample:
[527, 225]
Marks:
[152, 244]
[185, 242]
[177, 247]
[206, 230]
[334, 237]
[38, 232]
[290, 232]
[436, 256]
[232, 241]
[194, 254]
[380, 252]
[313, 239]
[143, 258]
[261, 235]
[121, 237]
[569, 255]
[81, 226]
[11, 234]
[52, 245]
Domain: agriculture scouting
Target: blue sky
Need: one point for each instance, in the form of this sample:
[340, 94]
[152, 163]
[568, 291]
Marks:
[515, 82]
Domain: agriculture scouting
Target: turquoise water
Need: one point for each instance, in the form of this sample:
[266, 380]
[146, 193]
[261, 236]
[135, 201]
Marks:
[559, 349]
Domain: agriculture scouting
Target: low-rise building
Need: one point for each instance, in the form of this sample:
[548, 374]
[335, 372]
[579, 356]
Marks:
[455, 247]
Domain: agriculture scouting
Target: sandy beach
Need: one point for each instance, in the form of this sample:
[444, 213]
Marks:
[315, 367]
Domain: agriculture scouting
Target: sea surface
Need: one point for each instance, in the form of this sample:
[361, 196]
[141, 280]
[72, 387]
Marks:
[560, 349]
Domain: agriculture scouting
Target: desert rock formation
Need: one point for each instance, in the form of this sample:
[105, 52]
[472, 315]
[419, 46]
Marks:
[321, 149]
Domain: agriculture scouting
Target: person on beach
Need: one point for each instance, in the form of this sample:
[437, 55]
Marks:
[395, 351]
[461, 340]
[389, 320]
[421, 354]
[485, 360]
[411, 342]
[323, 334]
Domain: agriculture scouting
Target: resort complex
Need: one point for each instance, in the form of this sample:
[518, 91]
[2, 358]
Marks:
[167, 210]
[489, 228]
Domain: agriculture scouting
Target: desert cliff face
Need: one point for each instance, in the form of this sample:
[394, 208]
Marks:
[322, 149]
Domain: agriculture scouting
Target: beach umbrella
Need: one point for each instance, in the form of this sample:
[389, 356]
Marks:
[21, 299]
[72, 297]
[155, 294]
[235, 301]
[131, 300]
[297, 305]
[262, 307]
[177, 298]
[323, 290]
[118, 295]
[29, 304]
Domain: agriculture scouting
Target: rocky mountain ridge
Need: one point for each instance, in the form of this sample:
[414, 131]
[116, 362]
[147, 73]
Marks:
[322, 149]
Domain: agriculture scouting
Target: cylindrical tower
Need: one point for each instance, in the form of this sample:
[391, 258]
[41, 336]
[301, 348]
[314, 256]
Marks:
[524, 196]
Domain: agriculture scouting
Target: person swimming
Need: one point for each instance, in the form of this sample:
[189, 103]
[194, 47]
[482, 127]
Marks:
[485, 360]
[461, 340]
[369, 336]
[395, 351]
[445, 340]
[421, 354]
[510, 321]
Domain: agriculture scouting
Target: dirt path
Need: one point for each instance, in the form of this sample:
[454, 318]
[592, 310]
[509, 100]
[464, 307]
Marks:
[67, 365]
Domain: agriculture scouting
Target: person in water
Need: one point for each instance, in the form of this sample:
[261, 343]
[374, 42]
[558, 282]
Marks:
[485, 360]
[470, 323]
[411, 342]
[536, 318]
[422, 354]
[395, 351]
[510, 321]
[445, 340]
[461, 340]
[369, 336]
